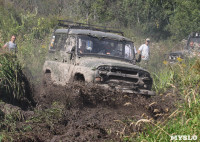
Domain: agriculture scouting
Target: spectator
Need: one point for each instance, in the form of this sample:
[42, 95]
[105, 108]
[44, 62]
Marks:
[11, 45]
[191, 45]
[145, 52]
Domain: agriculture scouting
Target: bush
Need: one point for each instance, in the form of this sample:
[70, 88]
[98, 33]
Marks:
[13, 83]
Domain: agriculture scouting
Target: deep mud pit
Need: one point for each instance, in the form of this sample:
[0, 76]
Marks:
[89, 113]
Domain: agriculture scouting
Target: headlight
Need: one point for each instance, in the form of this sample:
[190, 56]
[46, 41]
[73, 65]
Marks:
[98, 79]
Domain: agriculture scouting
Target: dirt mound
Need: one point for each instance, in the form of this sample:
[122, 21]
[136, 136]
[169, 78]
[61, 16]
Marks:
[78, 112]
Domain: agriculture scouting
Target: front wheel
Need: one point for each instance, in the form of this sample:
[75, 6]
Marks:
[46, 79]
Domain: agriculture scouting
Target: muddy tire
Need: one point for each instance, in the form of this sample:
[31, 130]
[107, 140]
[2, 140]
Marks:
[46, 79]
[44, 89]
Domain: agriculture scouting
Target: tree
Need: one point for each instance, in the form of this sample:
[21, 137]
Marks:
[186, 18]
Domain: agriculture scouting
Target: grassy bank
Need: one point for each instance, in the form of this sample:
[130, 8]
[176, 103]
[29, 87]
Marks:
[185, 79]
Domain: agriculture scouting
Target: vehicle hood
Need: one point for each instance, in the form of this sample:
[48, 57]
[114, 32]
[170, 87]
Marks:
[96, 62]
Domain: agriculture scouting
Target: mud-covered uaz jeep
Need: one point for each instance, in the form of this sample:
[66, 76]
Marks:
[191, 49]
[79, 52]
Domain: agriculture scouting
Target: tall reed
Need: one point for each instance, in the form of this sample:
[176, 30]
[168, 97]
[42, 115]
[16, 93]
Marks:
[13, 83]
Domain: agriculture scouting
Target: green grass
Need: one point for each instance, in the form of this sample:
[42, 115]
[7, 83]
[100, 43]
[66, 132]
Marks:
[185, 120]
[1, 137]
[162, 80]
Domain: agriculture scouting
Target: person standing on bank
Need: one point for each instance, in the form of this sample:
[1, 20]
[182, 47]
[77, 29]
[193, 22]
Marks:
[145, 52]
[11, 45]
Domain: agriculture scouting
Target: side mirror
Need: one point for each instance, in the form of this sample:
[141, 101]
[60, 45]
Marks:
[71, 50]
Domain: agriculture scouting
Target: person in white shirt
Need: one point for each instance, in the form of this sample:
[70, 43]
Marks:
[145, 52]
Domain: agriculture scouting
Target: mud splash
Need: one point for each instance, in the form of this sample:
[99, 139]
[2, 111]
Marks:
[89, 113]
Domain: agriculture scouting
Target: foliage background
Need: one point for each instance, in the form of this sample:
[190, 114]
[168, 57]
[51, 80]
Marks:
[156, 18]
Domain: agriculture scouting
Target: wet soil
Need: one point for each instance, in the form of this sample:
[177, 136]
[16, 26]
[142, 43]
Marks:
[88, 113]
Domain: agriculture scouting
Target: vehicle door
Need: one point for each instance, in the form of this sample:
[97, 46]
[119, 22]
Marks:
[62, 47]
[68, 56]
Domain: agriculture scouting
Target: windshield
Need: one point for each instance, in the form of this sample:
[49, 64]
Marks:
[106, 47]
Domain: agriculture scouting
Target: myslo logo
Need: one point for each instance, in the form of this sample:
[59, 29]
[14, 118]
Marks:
[183, 137]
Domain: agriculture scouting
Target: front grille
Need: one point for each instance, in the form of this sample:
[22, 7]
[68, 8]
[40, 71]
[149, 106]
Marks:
[118, 70]
[173, 57]
[123, 79]
[132, 72]
[118, 76]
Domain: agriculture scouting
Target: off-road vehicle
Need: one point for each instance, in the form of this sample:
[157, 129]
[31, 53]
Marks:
[87, 53]
[191, 49]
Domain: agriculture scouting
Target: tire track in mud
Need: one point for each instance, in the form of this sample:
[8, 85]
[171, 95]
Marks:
[87, 113]
[91, 113]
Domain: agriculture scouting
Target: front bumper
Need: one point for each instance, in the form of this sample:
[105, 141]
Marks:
[129, 90]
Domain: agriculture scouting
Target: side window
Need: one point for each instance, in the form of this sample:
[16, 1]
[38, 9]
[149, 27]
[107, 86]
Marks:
[128, 51]
[85, 45]
[70, 44]
[51, 46]
[58, 42]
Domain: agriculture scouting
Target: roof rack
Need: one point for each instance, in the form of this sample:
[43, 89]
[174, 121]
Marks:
[72, 25]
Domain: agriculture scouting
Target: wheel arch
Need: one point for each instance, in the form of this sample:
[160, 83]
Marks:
[47, 71]
[79, 77]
